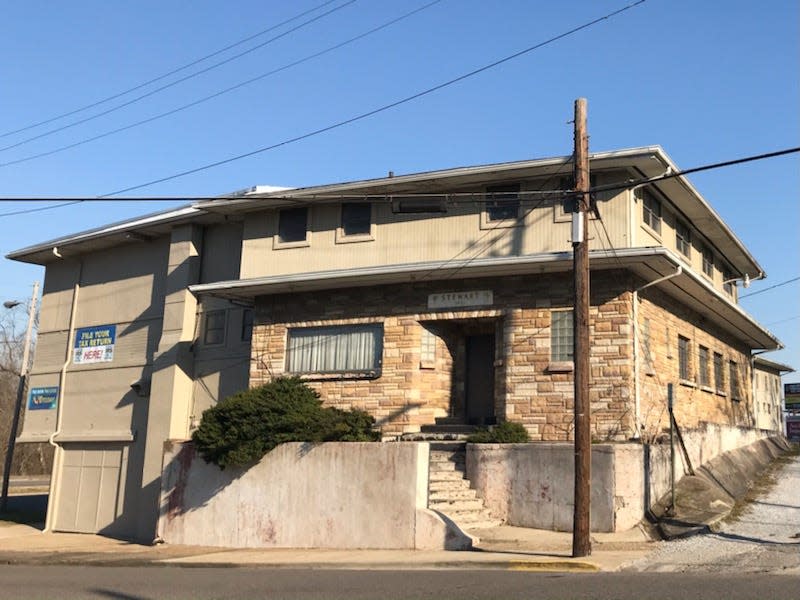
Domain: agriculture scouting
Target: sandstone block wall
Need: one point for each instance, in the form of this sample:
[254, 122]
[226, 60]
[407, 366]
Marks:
[529, 388]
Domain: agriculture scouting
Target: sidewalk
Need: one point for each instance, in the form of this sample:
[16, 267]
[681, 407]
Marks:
[503, 547]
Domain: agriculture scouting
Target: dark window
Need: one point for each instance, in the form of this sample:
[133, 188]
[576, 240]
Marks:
[708, 261]
[561, 332]
[734, 375]
[292, 223]
[651, 210]
[215, 327]
[684, 359]
[727, 282]
[247, 324]
[502, 202]
[336, 349]
[569, 204]
[356, 218]
[719, 374]
[683, 238]
[702, 359]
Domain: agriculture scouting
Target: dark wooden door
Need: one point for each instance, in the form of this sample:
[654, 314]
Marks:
[480, 379]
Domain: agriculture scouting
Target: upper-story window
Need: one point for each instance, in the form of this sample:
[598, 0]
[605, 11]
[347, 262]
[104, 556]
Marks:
[683, 238]
[708, 261]
[651, 210]
[502, 202]
[356, 222]
[569, 203]
[293, 225]
[727, 282]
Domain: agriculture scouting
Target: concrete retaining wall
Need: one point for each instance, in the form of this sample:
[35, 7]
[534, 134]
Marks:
[332, 495]
[703, 445]
[532, 485]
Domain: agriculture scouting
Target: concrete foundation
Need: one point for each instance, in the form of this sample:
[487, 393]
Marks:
[532, 485]
[332, 495]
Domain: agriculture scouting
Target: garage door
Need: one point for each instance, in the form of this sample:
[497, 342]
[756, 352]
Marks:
[92, 487]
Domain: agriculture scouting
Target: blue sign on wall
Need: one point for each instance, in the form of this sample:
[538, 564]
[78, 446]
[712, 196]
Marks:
[94, 344]
[43, 398]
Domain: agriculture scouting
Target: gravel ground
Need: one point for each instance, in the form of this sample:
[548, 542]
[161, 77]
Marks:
[761, 536]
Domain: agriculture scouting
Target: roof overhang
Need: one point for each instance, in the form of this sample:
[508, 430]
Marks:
[772, 365]
[649, 264]
[642, 163]
[139, 229]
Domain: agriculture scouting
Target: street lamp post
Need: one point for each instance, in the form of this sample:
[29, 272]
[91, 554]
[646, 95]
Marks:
[23, 377]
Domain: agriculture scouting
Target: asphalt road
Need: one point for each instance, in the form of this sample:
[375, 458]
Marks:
[145, 583]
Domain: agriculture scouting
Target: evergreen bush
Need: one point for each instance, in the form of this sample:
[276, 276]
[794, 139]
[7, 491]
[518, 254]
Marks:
[507, 432]
[242, 428]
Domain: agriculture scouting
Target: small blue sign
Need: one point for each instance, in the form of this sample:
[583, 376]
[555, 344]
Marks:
[43, 398]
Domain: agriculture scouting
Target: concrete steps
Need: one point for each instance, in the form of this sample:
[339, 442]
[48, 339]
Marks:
[449, 491]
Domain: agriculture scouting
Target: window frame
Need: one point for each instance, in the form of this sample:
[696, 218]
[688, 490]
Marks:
[733, 376]
[708, 261]
[501, 190]
[560, 212]
[648, 213]
[342, 237]
[248, 319]
[684, 359]
[208, 315]
[280, 243]
[719, 373]
[561, 354]
[683, 243]
[703, 367]
[371, 372]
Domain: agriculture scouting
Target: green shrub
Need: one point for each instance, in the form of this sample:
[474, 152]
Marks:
[507, 432]
[242, 428]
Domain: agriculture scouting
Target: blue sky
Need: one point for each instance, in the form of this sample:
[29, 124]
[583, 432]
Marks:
[708, 81]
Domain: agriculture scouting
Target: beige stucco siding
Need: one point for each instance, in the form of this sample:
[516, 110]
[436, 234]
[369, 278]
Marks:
[666, 237]
[407, 238]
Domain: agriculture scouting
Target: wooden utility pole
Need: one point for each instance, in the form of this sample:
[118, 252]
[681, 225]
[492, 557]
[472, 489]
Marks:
[581, 541]
[23, 380]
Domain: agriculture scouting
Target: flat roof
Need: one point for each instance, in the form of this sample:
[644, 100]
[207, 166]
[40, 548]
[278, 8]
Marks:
[649, 161]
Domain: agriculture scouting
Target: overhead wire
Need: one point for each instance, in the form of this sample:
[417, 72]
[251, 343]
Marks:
[772, 287]
[221, 92]
[178, 81]
[383, 108]
[169, 73]
[453, 197]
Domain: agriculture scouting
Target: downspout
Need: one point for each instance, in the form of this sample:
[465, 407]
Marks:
[637, 392]
[55, 480]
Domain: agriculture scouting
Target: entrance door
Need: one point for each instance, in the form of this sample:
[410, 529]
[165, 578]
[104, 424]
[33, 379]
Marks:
[480, 379]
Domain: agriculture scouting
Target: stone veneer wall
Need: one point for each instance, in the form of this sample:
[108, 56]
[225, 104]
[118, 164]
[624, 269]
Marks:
[527, 388]
[693, 404]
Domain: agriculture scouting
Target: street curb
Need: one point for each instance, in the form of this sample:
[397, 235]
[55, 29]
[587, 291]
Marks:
[556, 566]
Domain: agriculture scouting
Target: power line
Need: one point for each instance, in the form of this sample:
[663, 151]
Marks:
[177, 81]
[384, 107]
[772, 287]
[165, 75]
[454, 198]
[674, 174]
[221, 92]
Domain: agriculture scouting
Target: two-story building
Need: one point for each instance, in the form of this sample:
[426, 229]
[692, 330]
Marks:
[434, 299]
